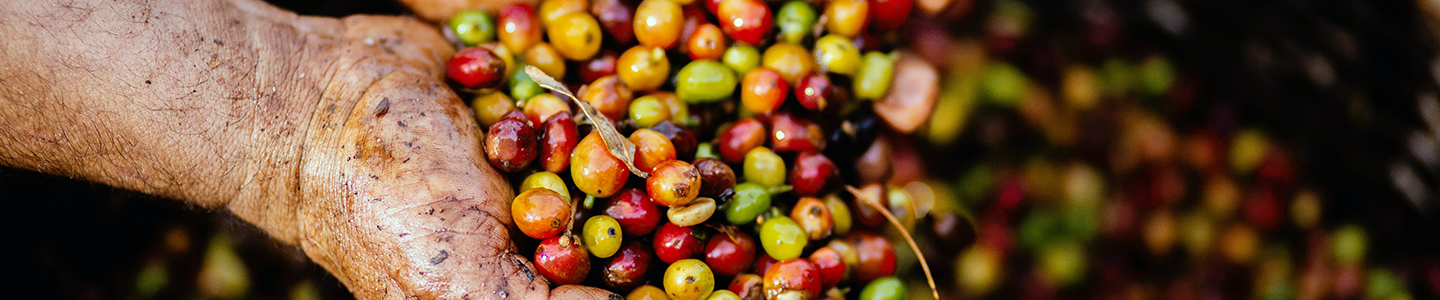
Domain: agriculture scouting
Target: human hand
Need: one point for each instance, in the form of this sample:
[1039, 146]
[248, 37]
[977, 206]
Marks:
[335, 135]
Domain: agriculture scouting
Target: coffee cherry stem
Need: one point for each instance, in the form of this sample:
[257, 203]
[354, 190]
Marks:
[903, 232]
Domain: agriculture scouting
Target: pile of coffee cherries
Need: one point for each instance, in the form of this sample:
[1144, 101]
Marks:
[746, 192]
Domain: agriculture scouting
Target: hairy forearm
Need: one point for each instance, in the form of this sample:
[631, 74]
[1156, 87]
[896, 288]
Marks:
[203, 101]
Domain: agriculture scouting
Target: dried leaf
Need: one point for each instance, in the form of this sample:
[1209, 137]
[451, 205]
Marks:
[619, 146]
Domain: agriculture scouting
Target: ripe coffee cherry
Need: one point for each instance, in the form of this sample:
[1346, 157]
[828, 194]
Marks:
[745, 20]
[594, 170]
[562, 260]
[627, 268]
[814, 175]
[674, 243]
[877, 257]
[510, 144]
[643, 68]
[707, 42]
[762, 90]
[540, 213]
[889, 14]
[603, 64]
[609, 96]
[476, 68]
[813, 91]
[616, 17]
[543, 107]
[558, 138]
[636, 214]
[790, 134]
[689, 279]
[674, 183]
[651, 149]
[830, 266]
[742, 136]
[575, 35]
[730, 254]
[793, 278]
[847, 17]
[763, 263]
[748, 286]
[813, 217]
[658, 23]
[518, 28]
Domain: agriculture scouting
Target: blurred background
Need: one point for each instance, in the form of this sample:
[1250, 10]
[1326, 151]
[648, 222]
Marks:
[1129, 149]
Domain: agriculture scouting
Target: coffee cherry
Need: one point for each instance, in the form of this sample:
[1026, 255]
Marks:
[762, 90]
[609, 96]
[544, 56]
[796, 19]
[491, 107]
[829, 265]
[764, 167]
[877, 257]
[793, 278]
[872, 81]
[813, 217]
[518, 28]
[575, 35]
[790, 134]
[541, 108]
[814, 175]
[643, 68]
[837, 54]
[791, 60]
[647, 292]
[763, 263]
[744, 20]
[707, 42]
[551, 10]
[627, 268]
[783, 239]
[562, 260]
[674, 183]
[521, 86]
[750, 201]
[717, 180]
[636, 214]
[658, 23]
[651, 149]
[741, 57]
[742, 136]
[546, 180]
[510, 144]
[602, 235]
[558, 138]
[473, 27]
[814, 91]
[748, 286]
[476, 68]
[616, 17]
[674, 243]
[840, 213]
[847, 17]
[884, 288]
[704, 81]
[601, 65]
[730, 254]
[723, 295]
[889, 14]
[682, 137]
[689, 279]
[594, 170]
[540, 213]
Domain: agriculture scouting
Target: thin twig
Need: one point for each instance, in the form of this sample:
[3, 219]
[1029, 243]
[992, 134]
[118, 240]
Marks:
[906, 233]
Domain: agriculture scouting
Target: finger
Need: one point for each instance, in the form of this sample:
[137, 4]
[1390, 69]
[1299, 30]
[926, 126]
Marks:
[441, 10]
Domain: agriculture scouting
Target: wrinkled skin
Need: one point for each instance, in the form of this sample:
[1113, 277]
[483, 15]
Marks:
[338, 136]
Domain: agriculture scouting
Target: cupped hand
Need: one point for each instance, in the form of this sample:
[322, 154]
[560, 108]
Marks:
[398, 198]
